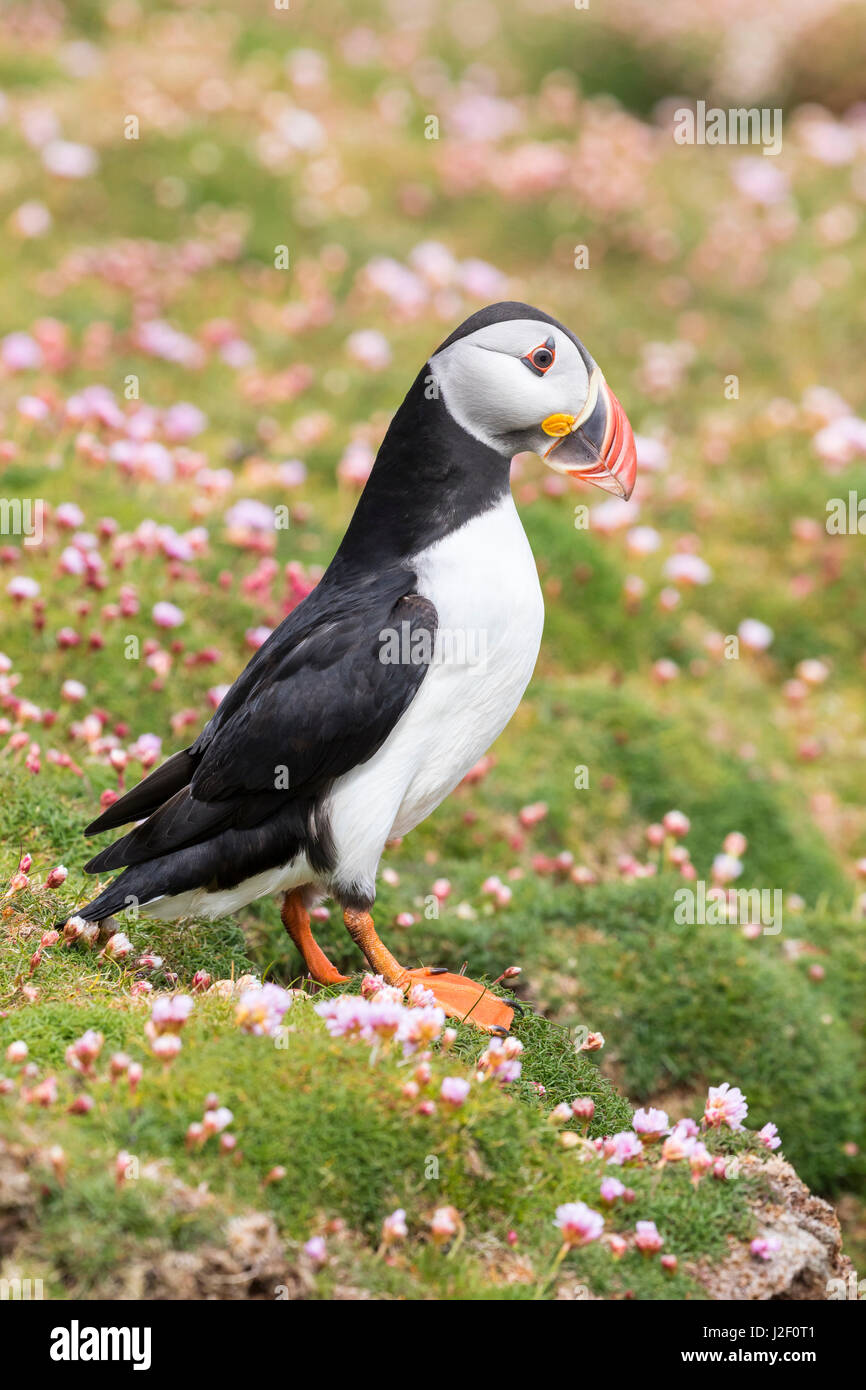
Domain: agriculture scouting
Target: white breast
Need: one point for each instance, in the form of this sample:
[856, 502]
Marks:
[484, 584]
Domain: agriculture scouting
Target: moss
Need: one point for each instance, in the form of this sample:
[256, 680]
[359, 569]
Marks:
[686, 1006]
[353, 1148]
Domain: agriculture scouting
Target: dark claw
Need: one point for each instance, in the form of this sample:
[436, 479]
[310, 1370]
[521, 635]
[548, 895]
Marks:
[437, 970]
[499, 1030]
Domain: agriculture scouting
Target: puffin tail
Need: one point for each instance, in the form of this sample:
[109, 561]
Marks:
[158, 786]
[133, 888]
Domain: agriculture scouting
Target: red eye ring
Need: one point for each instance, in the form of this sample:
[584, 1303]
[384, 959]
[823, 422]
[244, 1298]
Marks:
[541, 358]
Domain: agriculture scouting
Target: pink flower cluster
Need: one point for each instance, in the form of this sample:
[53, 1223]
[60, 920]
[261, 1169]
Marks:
[261, 1010]
[380, 1016]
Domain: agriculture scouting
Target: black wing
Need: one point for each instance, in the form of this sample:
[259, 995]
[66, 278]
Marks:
[316, 700]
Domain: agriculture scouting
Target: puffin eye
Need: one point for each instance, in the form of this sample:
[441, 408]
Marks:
[541, 359]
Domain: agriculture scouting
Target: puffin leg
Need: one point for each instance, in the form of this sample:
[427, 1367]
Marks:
[296, 920]
[460, 997]
[360, 927]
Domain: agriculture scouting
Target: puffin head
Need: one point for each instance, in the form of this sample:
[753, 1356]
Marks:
[518, 380]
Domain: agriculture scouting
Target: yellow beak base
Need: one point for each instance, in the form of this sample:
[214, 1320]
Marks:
[558, 425]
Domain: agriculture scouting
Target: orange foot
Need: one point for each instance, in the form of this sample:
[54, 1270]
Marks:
[465, 999]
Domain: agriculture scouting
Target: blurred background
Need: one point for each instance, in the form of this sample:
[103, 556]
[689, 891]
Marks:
[231, 235]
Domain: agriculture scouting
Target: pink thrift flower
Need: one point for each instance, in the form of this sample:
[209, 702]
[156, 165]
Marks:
[21, 587]
[73, 691]
[384, 1019]
[500, 1060]
[623, 1147]
[369, 348]
[43, 1094]
[812, 671]
[444, 1224]
[759, 182]
[647, 1238]
[650, 1124]
[316, 1251]
[32, 219]
[420, 998]
[122, 1167]
[676, 824]
[755, 635]
[195, 1134]
[725, 1106]
[454, 1090]
[735, 844]
[763, 1247]
[726, 868]
[371, 984]
[678, 1145]
[420, 1027]
[183, 421]
[81, 1055]
[32, 408]
[118, 1065]
[560, 1114]
[345, 1015]
[611, 1188]
[768, 1136]
[167, 614]
[118, 946]
[578, 1223]
[356, 464]
[69, 160]
[687, 569]
[394, 1227]
[166, 1047]
[217, 1119]
[256, 637]
[260, 1011]
[20, 353]
[700, 1160]
[170, 1013]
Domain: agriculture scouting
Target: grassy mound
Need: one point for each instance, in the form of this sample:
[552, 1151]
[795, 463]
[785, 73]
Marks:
[353, 1148]
[687, 1006]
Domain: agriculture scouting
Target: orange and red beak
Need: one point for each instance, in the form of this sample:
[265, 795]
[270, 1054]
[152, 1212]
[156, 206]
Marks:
[596, 446]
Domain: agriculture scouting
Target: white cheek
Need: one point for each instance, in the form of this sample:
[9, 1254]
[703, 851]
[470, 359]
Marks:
[493, 399]
[492, 394]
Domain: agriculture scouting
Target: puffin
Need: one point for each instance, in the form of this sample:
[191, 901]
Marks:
[379, 692]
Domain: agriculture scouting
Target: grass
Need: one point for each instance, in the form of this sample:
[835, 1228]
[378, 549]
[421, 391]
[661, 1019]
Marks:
[353, 1150]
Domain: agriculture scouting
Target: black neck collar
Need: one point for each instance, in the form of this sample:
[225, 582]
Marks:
[430, 477]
